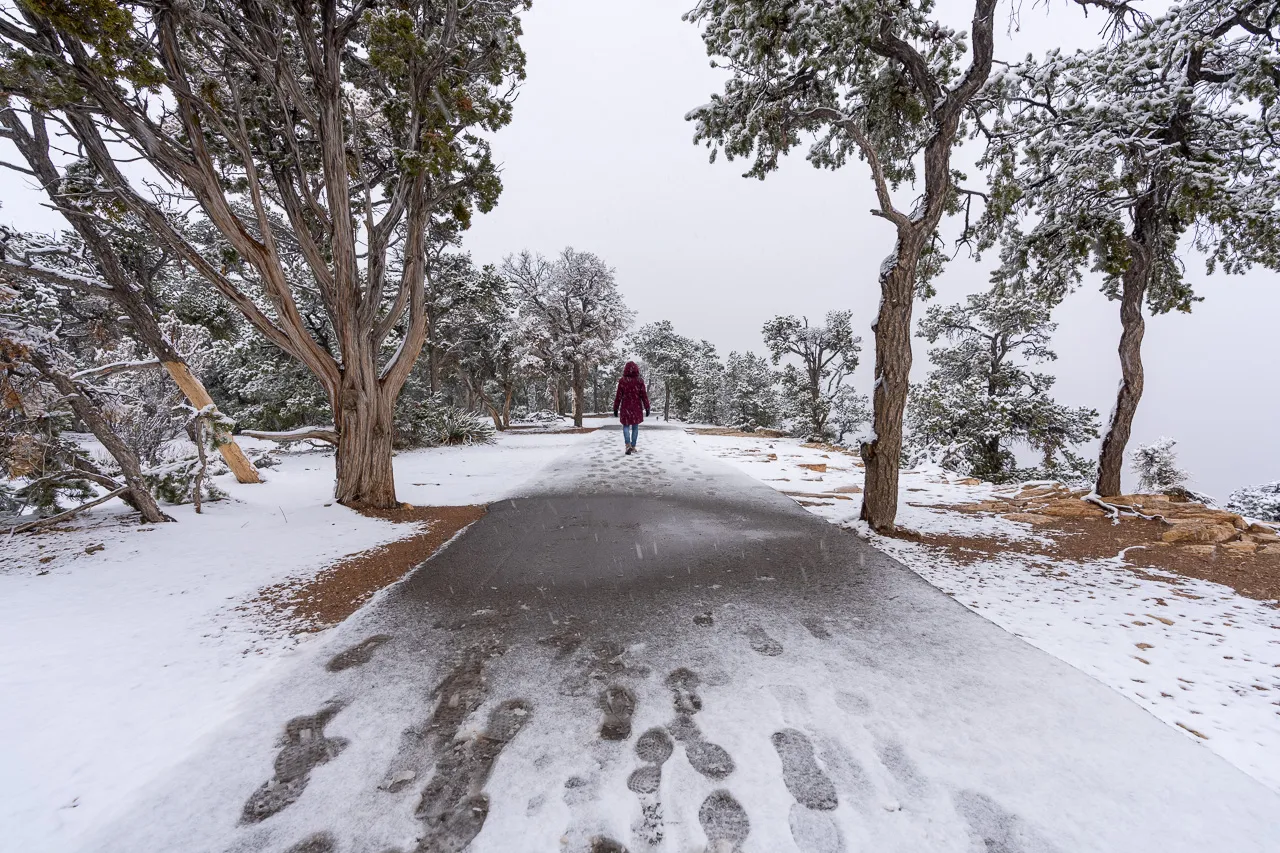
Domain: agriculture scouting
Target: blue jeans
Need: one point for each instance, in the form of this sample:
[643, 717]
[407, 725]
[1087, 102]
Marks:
[629, 433]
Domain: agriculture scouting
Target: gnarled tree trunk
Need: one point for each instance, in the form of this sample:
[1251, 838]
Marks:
[1132, 328]
[364, 413]
[892, 328]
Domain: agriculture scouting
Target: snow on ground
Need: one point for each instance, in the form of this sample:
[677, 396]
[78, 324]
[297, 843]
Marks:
[1195, 654]
[143, 637]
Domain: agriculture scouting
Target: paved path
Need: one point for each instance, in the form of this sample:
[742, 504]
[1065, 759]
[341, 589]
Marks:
[659, 653]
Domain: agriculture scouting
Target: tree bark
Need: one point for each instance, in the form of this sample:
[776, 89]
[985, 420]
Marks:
[579, 393]
[138, 496]
[364, 417]
[1132, 328]
[882, 454]
[193, 389]
[666, 401]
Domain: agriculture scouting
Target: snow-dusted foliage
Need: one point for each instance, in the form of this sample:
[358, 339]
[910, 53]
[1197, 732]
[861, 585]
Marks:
[435, 421]
[575, 311]
[706, 392]
[1122, 158]
[1261, 501]
[827, 355]
[750, 399]
[982, 400]
[322, 145]
[1156, 465]
[669, 358]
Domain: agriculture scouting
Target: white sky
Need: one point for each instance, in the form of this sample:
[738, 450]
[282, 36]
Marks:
[599, 157]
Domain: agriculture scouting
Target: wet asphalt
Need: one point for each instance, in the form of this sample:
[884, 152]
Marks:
[658, 652]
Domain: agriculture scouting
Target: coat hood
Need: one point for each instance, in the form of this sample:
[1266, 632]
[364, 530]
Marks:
[632, 369]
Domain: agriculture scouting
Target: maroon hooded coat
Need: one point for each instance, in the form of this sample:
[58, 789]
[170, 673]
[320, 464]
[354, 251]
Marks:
[631, 403]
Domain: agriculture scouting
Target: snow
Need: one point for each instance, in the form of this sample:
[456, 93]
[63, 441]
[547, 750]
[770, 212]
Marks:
[1210, 661]
[940, 731]
[119, 662]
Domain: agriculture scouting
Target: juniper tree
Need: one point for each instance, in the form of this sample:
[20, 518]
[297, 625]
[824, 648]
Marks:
[334, 132]
[46, 327]
[576, 302]
[669, 357]
[886, 83]
[113, 256]
[1125, 156]
[828, 354]
[982, 399]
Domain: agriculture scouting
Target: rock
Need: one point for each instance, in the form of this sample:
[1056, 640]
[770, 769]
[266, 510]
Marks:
[1138, 500]
[1071, 508]
[1269, 552]
[1199, 512]
[817, 467]
[1199, 532]
[1199, 550]
[1028, 517]
[969, 481]
[1261, 538]
[1240, 549]
[93, 549]
[1264, 529]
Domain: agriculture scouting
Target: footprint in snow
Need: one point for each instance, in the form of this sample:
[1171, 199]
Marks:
[653, 747]
[357, 655]
[724, 821]
[304, 747]
[996, 829]
[762, 643]
[321, 842]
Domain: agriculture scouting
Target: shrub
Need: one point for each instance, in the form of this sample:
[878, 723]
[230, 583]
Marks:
[1261, 502]
[434, 422]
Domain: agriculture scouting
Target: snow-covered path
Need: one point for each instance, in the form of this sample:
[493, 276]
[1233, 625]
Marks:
[660, 653]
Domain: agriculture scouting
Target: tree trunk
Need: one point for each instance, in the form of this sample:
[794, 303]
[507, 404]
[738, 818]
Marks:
[364, 417]
[579, 393]
[1132, 327]
[138, 496]
[882, 454]
[666, 401]
[193, 389]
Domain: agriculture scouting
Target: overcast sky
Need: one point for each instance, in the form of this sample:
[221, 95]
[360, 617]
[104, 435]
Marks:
[599, 157]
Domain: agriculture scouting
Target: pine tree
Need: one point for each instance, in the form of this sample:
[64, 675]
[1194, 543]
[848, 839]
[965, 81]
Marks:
[669, 358]
[707, 393]
[981, 399]
[750, 400]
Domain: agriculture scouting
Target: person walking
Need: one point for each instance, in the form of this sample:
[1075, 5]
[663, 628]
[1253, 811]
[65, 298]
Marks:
[631, 404]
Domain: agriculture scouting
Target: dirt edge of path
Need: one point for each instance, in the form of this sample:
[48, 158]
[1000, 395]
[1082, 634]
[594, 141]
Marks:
[1064, 541]
[306, 605]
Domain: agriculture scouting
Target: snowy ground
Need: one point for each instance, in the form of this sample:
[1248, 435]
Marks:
[1196, 655]
[658, 653]
[117, 662]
